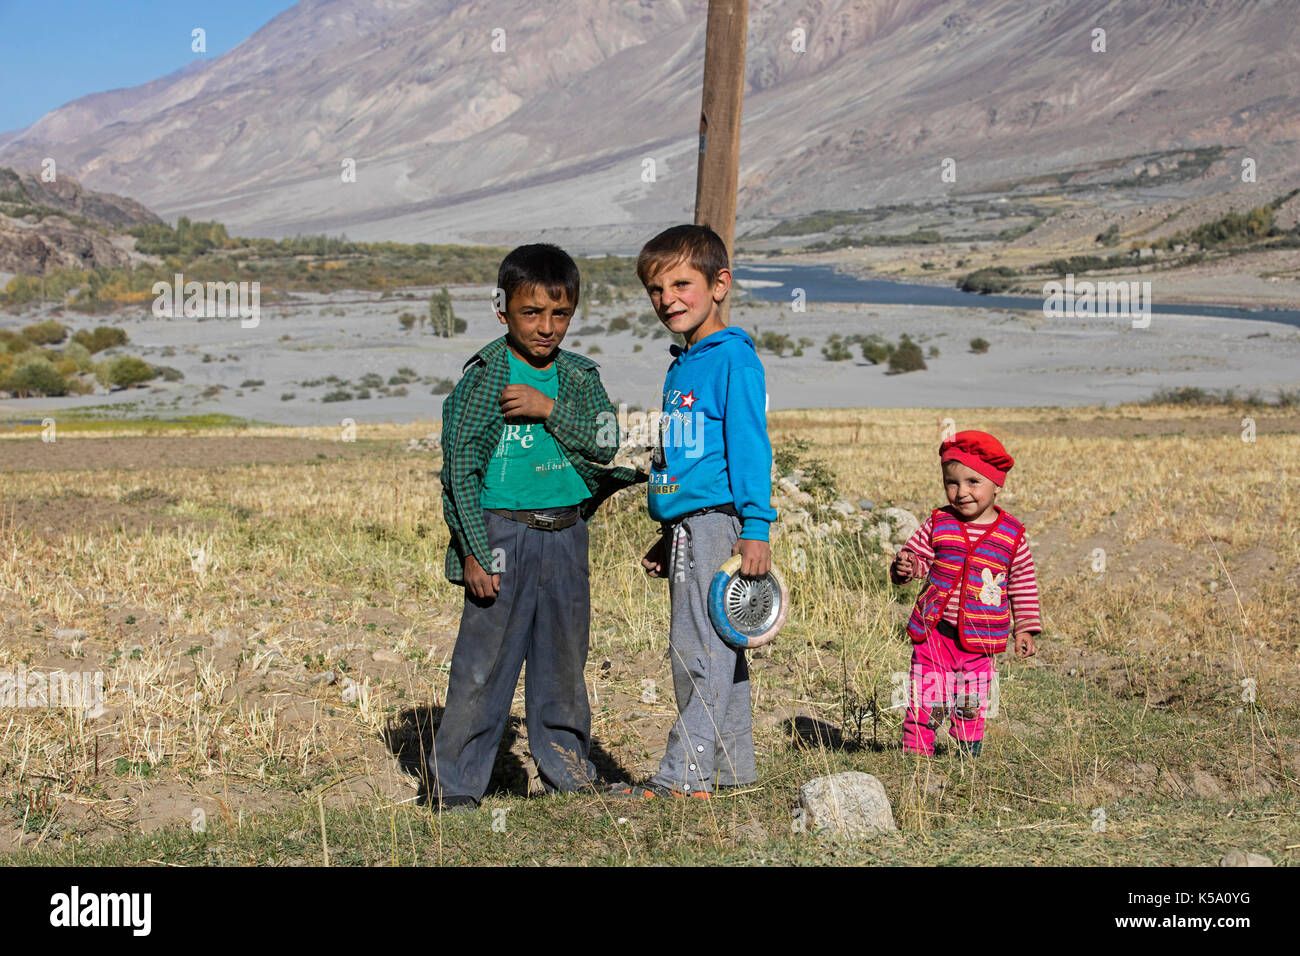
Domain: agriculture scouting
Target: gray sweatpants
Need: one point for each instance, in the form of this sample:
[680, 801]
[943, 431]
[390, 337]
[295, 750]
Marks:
[712, 741]
[542, 614]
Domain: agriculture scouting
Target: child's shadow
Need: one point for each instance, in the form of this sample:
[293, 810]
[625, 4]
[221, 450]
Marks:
[410, 739]
[808, 733]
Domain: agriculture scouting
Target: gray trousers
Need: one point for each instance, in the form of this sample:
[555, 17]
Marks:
[712, 741]
[542, 615]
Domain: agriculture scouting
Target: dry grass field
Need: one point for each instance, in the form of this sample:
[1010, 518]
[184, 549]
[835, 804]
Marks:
[213, 576]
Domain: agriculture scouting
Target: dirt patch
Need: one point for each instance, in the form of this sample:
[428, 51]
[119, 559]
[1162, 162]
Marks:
[83, 454]
[69, 513]
[1214, 426]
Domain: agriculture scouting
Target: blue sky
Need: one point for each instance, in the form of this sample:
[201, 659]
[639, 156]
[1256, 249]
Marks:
[53, 51]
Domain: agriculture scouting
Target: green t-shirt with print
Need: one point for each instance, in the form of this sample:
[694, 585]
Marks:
[528, 469]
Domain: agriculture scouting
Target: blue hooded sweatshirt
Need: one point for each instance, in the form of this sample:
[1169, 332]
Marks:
[713, 446]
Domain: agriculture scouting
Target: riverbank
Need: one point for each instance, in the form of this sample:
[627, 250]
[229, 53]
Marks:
[321, 346]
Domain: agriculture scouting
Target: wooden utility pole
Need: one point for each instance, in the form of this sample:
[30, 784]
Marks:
[724, 89]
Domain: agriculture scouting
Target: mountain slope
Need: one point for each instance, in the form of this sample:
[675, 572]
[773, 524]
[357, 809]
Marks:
[454, 140]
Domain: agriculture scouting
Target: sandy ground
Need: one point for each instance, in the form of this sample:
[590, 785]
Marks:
[1032, 360]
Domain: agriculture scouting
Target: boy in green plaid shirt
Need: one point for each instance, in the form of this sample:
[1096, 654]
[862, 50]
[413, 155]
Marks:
[522, 445]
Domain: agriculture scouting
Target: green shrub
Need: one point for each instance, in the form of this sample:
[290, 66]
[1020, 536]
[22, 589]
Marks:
[773, 342]
[1111, 236]
[35, 377]
[251, 383]
[875, 351]
[985, 281]
[407, 319]
[338, 395]
[45, 333]
[835, 350]
[124, 371]
[13, 343]
[620, 324]
[906, 356]
[979, 346]
[104, 337]
[443, 386]
[79, 354]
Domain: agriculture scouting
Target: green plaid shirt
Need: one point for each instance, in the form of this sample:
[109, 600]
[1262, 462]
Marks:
[471, 428]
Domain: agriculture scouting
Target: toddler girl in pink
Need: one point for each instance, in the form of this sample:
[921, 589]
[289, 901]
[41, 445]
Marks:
[980, 590]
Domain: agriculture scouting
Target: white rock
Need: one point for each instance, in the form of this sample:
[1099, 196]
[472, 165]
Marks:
[1244, 858]
[325, 677]
[798, 518]
[852, 804]
[897, 525]
[350, 690]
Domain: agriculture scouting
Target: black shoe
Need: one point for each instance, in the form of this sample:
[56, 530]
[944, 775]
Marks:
[456, 803]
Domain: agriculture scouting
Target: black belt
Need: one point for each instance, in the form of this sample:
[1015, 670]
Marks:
[947, 629]
[539, 519]
[727, 509]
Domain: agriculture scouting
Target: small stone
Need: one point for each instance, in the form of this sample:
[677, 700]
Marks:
[385, 656]
[224, 638]
[844, 508]
[1160, 618]
[898, 525]
[1205, 785]
[798, 518]
[852, 804]
[866, 504]
[324, 678]
[350, 690]
[1244, 858]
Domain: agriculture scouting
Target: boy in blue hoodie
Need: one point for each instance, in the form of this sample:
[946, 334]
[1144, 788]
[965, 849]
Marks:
[711, 491]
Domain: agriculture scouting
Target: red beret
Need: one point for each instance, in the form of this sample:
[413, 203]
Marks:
[980, 451]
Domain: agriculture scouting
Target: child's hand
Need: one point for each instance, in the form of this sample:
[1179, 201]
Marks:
[478, 582]
[655, 561]
[755, 557]
[524, 401]
[1025, 644]
[903, 568]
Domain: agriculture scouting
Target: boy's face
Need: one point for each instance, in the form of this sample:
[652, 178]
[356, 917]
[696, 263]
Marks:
[536, 322]
[969, 492]
[685, 300]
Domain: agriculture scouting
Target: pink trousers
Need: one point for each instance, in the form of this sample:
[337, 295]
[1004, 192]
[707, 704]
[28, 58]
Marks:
[945, 680]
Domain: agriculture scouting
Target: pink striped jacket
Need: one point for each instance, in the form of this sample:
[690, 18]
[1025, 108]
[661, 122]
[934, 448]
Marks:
[981, 565]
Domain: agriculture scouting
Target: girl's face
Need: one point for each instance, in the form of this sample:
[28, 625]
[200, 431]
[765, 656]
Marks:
[969, 492]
